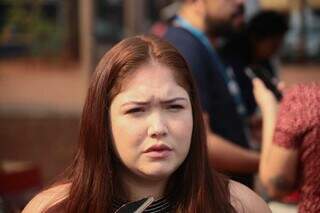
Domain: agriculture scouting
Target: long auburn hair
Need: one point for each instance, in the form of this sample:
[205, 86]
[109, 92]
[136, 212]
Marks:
[193, 187]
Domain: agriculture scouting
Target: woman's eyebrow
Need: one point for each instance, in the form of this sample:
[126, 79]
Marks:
[143, 103]
[174, 100]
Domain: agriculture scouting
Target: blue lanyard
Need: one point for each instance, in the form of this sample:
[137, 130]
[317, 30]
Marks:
[199, 34]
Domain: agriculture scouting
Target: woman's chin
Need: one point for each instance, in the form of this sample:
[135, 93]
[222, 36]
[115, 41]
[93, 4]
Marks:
[159, 170]
[157, 173]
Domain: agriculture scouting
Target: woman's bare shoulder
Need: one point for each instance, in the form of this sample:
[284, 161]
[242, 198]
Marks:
[47, 198]
[244, 200]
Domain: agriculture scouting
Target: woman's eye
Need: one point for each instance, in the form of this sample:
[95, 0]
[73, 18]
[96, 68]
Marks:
[135, 110]
[175, 107]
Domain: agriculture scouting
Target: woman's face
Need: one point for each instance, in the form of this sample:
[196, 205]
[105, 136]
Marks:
[151, 120]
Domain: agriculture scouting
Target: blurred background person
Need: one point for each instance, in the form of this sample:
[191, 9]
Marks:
[255, 47]
[290, 156]
[220, 95]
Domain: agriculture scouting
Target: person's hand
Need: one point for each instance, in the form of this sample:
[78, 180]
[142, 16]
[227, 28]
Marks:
[255, 125]
[264, 98]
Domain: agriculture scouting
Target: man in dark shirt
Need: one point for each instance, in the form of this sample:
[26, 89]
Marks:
[222, 105]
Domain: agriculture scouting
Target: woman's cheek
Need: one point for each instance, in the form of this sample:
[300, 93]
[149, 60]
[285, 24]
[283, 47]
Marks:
[183, 128]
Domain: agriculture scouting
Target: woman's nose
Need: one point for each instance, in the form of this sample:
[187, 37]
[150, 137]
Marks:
[157, 126]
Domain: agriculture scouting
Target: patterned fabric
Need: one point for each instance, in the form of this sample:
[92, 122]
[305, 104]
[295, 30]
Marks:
[158, 206]
[298, 127]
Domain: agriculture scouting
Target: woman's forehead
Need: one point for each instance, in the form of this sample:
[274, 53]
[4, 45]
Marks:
[151, 81]
[151, 75]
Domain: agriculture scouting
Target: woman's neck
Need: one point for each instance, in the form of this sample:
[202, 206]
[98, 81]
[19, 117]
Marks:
[137, 188]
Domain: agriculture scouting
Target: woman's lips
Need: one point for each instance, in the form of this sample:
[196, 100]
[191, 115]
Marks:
[158, 151]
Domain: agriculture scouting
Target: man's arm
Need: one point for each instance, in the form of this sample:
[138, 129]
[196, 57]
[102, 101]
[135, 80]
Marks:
[228, 157]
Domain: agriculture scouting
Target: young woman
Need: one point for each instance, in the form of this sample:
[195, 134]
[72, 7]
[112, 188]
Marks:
[142, 135]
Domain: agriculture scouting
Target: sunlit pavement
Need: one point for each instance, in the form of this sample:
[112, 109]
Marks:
[37, 87]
